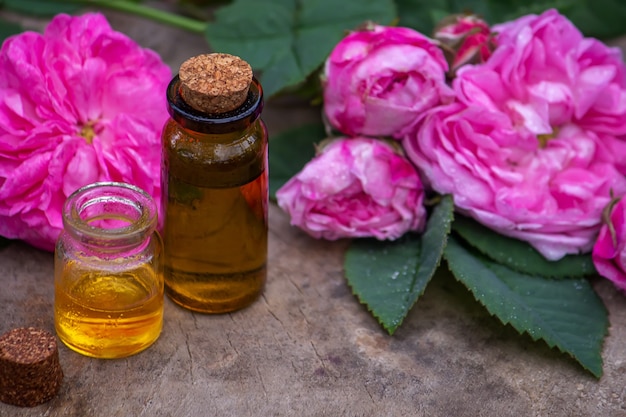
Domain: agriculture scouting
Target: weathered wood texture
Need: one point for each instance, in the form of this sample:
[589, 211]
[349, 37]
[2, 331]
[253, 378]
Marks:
[307, 347]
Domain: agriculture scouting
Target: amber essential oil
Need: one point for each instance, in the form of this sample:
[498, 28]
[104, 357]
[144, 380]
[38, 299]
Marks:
[217, 245]
[215, 183]
[108, 312]
[108, 299]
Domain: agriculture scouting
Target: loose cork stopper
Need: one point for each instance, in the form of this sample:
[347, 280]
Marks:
[30, 372]
[215, 83]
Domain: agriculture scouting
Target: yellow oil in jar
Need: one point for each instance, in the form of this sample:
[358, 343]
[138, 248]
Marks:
[109, 311]
[217, 244]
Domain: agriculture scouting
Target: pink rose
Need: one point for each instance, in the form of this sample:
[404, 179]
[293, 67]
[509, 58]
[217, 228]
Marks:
[357, 187]
[545, 74]
[80, 103]
[550, 195]
[609, 251]
[379, 80]
[465, 39]
[526, 149]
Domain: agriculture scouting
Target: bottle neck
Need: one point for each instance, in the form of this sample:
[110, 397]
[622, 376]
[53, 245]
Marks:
[237, 120]
[110, 216]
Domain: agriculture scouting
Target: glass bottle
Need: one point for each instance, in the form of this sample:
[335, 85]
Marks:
[108, 299]
[215, 183]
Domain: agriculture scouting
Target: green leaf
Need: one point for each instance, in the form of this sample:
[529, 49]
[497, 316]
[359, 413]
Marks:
[290, 151]
[598, 18]
[519, 255]
[389, 276]
[423, 15]
[286, 40]
[41, 7]
[566, 314]
[8, 29]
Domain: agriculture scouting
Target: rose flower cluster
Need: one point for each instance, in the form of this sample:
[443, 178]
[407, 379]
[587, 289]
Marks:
[523, 123]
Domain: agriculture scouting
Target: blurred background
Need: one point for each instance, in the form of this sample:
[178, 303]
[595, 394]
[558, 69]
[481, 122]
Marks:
[286, 41]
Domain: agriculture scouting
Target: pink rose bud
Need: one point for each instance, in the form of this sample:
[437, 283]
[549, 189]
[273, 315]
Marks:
[379, 80]
[357, 187]
[465, 39]
[609, 251]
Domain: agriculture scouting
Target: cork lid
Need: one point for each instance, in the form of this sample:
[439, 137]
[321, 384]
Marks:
[30, 372]
[215, 83]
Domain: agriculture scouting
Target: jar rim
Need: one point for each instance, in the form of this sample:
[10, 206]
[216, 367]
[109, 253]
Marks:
[135, 230]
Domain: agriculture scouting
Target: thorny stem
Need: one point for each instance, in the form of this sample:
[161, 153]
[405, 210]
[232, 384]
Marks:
[157, 15]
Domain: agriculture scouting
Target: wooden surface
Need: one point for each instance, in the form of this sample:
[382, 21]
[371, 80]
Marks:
[307, 347]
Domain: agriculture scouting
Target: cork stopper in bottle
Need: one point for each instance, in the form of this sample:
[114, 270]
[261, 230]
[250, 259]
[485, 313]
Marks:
[215, 83]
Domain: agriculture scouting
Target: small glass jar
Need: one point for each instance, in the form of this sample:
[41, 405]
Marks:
[215, 203]
[109, 272]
